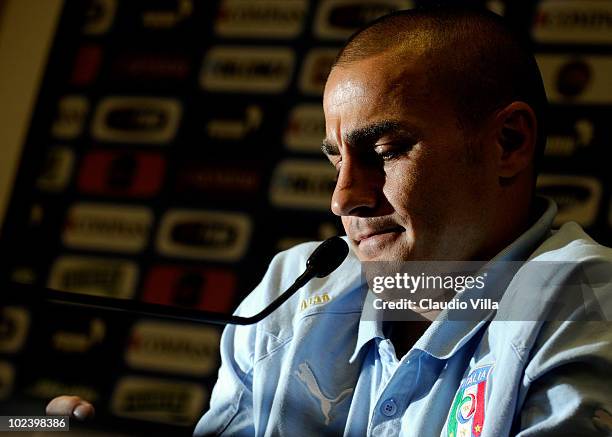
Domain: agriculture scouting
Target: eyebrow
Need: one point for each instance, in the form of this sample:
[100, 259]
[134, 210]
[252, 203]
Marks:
[362, 136]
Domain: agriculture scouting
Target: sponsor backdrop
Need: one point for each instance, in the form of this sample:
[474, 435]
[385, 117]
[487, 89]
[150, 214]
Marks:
[175, 148]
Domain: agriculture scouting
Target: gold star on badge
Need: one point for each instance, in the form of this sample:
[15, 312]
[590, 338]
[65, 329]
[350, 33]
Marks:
[477, 428]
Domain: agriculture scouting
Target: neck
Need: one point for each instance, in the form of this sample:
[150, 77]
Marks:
[509, 224]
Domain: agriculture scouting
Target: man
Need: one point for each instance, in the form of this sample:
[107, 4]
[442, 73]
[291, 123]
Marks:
[434, 122]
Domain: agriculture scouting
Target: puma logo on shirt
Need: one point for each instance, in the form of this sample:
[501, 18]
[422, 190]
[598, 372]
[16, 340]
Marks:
[307, 377]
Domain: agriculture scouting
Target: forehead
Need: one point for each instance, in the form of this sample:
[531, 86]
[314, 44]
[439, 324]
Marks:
[389, 75]
[387, 86]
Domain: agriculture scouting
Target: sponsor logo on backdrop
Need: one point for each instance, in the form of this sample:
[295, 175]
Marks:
[99, 16]
[578, 197]
[72, 341]
[573, 22]
[576, 79]
[235, 128]
[496, 6]
[115, 173]
[109, 227]
[210, 289]
[338, 19]
[7, 377]
[563, 145]
[136, 66]
[219, 180]
[56, 170]
[158, 400]
[45, 388]
[265, 70]
[174, 348]
[14, 325]
[168, 18]
[96, 276]
[86, 65]
[305, 128]
[261, 18]
[303, 184]
[207, 235]
[137, 119]
[70, 117]
[315, 70]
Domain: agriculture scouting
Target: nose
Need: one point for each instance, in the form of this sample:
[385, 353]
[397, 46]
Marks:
[358, 191]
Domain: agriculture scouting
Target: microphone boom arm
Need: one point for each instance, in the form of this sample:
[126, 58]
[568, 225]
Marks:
[324, 259]
[170, 312]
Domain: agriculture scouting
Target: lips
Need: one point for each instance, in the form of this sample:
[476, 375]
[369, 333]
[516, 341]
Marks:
[369, 233]
[374, 237]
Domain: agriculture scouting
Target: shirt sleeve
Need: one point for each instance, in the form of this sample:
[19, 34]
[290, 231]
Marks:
[231, 411]
[231, 404]
[570, 374]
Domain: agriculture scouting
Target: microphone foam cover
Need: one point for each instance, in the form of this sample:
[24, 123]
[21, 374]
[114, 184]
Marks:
[327, 257]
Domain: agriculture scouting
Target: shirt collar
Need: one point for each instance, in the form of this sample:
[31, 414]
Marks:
[368, 329]
[444, 337]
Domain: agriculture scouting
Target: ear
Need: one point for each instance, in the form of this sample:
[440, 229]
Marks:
[515, 130]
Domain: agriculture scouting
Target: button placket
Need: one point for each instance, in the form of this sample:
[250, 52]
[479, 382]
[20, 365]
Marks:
[400, 379]
[387, 360]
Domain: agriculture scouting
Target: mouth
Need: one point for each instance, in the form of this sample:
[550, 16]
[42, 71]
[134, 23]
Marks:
[378, 235]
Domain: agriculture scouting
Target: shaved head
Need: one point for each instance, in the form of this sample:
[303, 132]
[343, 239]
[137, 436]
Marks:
[472, 57]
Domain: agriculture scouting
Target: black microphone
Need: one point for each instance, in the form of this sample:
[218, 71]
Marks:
[326, 258]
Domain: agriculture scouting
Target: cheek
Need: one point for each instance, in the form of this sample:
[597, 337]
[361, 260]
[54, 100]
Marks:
[346, 220]
[423, 191]
[404, 185]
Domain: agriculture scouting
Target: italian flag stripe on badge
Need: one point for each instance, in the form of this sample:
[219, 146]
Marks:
[466, 417]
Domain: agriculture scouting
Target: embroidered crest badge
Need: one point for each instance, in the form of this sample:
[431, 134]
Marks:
[467, 414]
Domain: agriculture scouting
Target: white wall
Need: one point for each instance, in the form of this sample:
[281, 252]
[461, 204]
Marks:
[26, 33]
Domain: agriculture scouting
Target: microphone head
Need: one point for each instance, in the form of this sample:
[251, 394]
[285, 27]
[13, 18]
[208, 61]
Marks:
[327, 257]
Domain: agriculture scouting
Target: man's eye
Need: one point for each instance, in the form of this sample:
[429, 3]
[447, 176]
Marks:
[388, 155]
[390, 152]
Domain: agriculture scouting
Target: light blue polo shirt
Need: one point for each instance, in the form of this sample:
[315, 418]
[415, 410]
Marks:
[317, 366]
